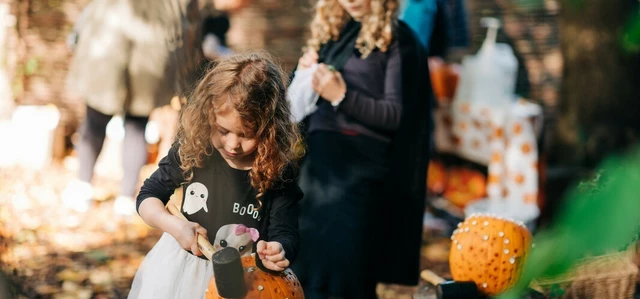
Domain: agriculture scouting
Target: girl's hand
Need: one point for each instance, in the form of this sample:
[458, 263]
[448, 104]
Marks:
[328, 84]
[307, 60]
[187, 236]
[272, 255]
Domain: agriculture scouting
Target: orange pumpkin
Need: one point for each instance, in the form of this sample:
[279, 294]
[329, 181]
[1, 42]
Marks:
[489, 251]
[436, 177]
[464, 186]
[453, 76]
[438, 74]
[263, 285]
[444, 79]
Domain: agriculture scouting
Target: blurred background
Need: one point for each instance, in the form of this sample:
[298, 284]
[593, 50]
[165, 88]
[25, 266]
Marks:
[577, 70]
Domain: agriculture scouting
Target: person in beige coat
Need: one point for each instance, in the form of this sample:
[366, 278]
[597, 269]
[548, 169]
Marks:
[125, 62]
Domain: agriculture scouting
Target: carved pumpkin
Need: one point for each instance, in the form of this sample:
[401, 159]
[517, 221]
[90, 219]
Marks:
[489, 251]
[263, 285]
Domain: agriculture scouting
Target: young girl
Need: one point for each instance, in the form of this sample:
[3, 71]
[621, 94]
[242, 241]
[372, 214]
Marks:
[235, 145]
[367, 150]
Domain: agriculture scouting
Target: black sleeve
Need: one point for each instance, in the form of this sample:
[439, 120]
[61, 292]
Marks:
[283, 222]
[385, 112]
[439, 42]
[164, 181]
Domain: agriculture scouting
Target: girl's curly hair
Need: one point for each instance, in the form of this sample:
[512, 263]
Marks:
[376, 32]
[253, 85]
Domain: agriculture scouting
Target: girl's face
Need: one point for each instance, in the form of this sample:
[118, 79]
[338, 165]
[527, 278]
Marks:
[356, 8]
[230, 139]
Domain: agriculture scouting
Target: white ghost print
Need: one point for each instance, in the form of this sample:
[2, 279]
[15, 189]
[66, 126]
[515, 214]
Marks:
[195, 198]
[237, 236]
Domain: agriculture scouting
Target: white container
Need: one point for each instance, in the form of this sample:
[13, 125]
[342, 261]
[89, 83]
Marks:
[489, 77]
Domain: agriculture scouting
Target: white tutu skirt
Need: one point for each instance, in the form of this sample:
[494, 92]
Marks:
[170, 272]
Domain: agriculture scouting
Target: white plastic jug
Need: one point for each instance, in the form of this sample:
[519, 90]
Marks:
[489, 77]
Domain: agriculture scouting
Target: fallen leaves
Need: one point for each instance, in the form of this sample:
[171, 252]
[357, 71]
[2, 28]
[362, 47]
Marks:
[48, 251]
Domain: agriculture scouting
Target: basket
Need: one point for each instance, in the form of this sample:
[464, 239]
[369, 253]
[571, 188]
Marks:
[602, 277]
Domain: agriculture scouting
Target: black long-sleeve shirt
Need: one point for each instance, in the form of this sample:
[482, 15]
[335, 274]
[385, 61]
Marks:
[373, 103]
[222, 200]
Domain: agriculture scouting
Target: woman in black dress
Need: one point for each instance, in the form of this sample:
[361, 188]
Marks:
[367, 150]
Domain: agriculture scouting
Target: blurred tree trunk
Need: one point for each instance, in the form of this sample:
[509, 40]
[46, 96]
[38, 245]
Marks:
[598, 112]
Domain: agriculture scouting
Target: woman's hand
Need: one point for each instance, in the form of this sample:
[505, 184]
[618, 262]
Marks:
[328, 84]
[307, 60]
[187, 235]
[272, 255]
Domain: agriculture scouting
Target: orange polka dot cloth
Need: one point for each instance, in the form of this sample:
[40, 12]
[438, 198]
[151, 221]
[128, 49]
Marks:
[504, 139]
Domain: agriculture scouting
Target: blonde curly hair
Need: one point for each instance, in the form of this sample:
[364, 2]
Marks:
[254, 86]
[376, 32]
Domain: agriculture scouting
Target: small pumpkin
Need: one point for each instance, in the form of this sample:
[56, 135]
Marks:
[444, 79]
[263, 285]
[438, 74]
[489, 251]
[464, 186]
[436, 177]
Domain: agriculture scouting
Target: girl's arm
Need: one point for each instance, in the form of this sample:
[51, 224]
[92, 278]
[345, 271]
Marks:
[164, 181]
[155, 194]
[153, 212]
[283, 222]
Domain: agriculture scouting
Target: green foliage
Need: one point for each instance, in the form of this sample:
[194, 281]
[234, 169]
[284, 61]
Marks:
[574, 4]
[31, 66]
[598, 217]
[556, 291]
[529, 4]
[631, 36]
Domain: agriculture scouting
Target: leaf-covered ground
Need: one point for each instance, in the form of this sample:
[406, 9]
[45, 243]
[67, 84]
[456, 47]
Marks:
[49, 251]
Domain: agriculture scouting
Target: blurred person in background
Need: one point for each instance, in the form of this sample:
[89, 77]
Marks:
[367, 150]
[214, 36]
[439, 24]
[130, 57]
[74, 35]
[420, 15]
